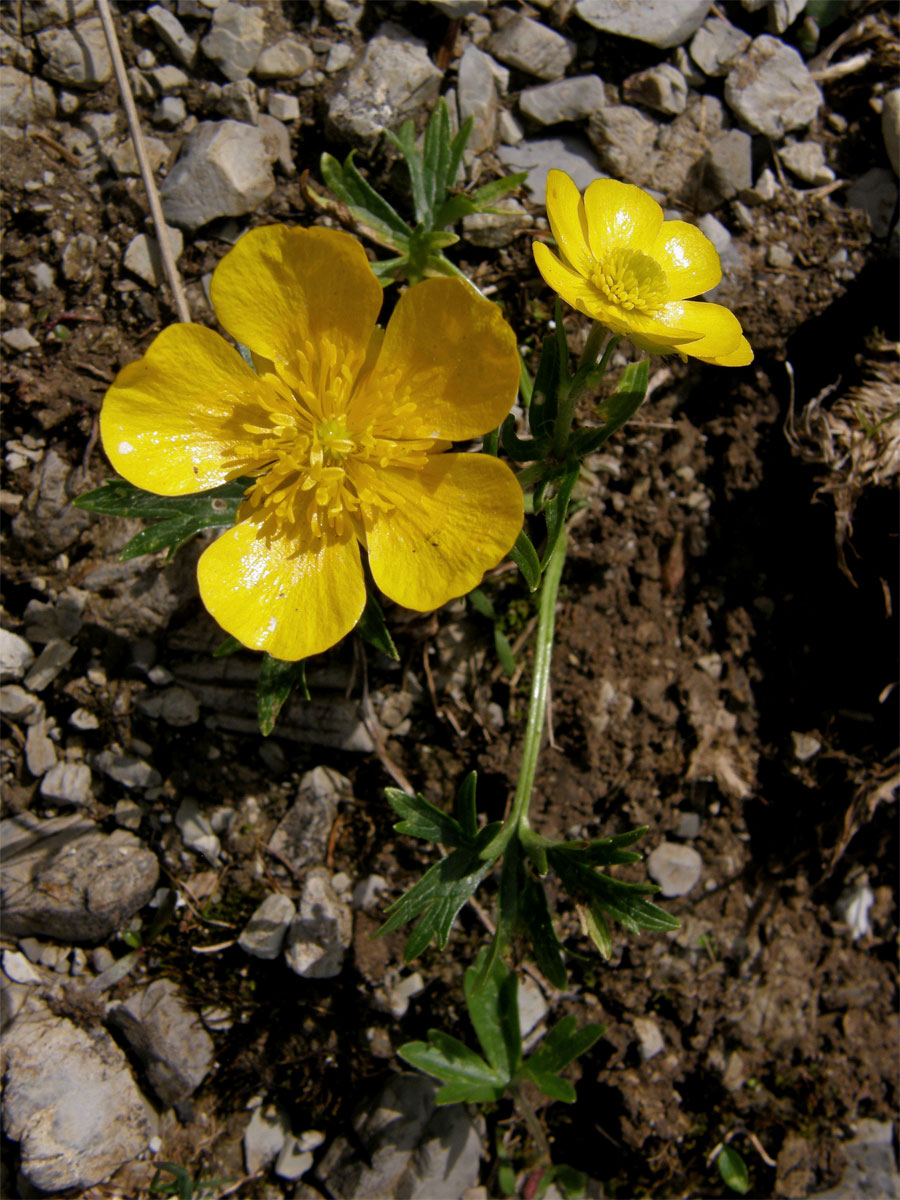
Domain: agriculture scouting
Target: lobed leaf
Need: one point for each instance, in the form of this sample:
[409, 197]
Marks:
[491, 999]
[422, 819]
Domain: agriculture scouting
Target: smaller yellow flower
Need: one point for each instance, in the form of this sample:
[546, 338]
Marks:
[630, 270]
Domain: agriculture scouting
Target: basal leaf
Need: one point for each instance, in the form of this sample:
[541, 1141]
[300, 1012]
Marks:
[277, 679]
[497, 188]
[563, 1044]
[421, 819]
[447, 1058]
[469, 1093]
[405, 141]
[349, 185]
[372, 627]
[491, 1000]
[551, 1085]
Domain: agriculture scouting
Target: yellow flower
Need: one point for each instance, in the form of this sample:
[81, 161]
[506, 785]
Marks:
[632, 271]
[345, 429]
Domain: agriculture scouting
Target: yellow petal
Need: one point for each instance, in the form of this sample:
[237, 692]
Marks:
[565, 211]
[688, 258]
[620, 215]
[716, 329]
[291, 596]
[742, 357]
[454, 519]
[448, 366]
[565, 281]
[279, 288]
[169, 421]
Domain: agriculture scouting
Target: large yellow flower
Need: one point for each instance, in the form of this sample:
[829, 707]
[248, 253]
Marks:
[632, 271]
[344, 427]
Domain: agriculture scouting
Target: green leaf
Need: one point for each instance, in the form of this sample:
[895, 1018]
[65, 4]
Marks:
[447, 1058]
[457, 149]
[555, 511]
[504, 651]
[494, 1012]
[466, 812]
[482, 604]
[230, 645]
[563, 1044]
[537, 924]
[542, 414]
[733, 1170]
[405, 141]
[181, 516]
[616, 410]
[597, 928]
[348, 185]
[496, 189]
[371, 626]
[521, 449]
[624, 902]
[277, 679]
[440, 894]
[436, 154]
[551, 1085]
[525, 557]
[421, 819]
[572, 1182]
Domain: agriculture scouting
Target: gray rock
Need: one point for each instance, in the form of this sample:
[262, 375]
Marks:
[532, 1005]
[83, 720]
[173, 33]
[64, 878]
[69, 782]
[141, 87]
[286, 59]
[871, 1170]
[415, 1148]
[277, 140]
[49, 663]
[127, 769]
[649, 1036]
[570, 99]
[496, 229]
[17, 967]
[806, 160]
[295, 1157]
[624, 140]
[128, 814]
[459, 8]
[662, 88]
[662, 23]
[264, 1137]
[890, 128]
[716, 45]
[18, 705]
[78, 58]
[876, 194]
[688, 826]
[79, 258]
[24, 98]
[70, 1102]
[476, 97]
[47, 519]
[263, 935]
[14, 53]
[142, 257]
[674, 867]
[40, 752]
[235, 39]
[770, 90]
[168, 1038]
[175, 705]
[16, 656]
[50, 622]
[196, 831]
[301, 837]
[169, 113]
[37, 14]
[392, 80]
[783, 13]
[20, 340]
[167, 80]
[730, 163]
[239, 101]
[726, 247]
[339, 56]
[532, 47]
[284, 107]
[537, 156]
[765, 189]
[320, 934]
[225, 170]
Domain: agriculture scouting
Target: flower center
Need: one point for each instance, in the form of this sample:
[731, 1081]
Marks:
[335, 441]
[631, 280]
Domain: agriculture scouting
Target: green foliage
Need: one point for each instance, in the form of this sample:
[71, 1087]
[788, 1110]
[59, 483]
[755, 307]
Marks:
[482, 605]
[432, 174]
[277, 679]
[733, 1170]
[182, 1184]
[178, 518]
[373, 628]
[492, 1003]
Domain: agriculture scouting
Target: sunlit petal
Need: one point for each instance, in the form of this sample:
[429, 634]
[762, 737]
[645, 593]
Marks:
[565, 212]
[718, 328]
[688, 258]
[620, 215]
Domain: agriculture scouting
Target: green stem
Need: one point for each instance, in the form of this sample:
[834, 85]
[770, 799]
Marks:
[537, 708]
[592, 345]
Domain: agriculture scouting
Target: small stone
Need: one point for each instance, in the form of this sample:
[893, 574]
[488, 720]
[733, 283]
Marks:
[766, 189]
[779, 256]
[496, 229]
[40, 752]
[783, 13]
[302, 834]
[293, 1161]
[730, 163]
[50, 622]
[476, 97]
[532, 1005]
[173, 34]
[662, 88]
[168, 80]
[69, 782]
[320, 934]
[84, 720]
[128, 814]
[284, 107]
[18, 705]
[367, 893]
[77, 57]
[688, 826]
[264, 1137]
[23, 98]
[145, 59]
[50, 662]
[240, 101]
[649, 1036]
[142, 256]
[127, 769]
[806, 160]
[286, 59]
[235, 39]
[770, 90]
[175, 705]
[624, 140]
[675, 868]
[852, 908]
[196, 831]
[41, 276]
[141, 87]
[532, 47]
[224, 171]
[716, 45]
[16, 656]
[263, 935]
[169, 113]
[662, 23]
[79, 258]
[339, 56]
[570, 99]
[875, 193]
[277, 140]
[17, 968]
[806, 746]
[20, 340]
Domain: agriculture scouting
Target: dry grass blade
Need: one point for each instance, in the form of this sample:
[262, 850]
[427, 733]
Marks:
[134, 125]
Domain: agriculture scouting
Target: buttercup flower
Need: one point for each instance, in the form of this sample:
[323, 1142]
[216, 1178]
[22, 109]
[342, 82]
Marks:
[629, 269]
[345, 429]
